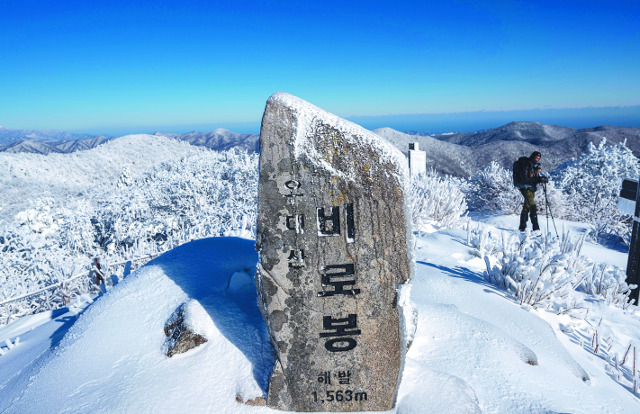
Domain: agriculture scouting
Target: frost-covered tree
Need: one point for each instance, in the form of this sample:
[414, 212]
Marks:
[436, 201]
[591, 185]
[125, 178]
[40, 218]
[492, 189]
[555, 199]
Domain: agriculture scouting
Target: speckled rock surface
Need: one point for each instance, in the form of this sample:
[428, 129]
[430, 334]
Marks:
[180, 335]
[332, 237]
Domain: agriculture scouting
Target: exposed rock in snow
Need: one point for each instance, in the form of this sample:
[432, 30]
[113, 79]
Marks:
[184, 328]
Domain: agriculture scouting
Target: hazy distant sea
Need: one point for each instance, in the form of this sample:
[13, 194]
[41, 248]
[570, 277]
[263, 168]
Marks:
[628, 116]
[432, 123]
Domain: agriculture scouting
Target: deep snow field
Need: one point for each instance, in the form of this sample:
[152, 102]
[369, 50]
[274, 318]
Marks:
[475, 349]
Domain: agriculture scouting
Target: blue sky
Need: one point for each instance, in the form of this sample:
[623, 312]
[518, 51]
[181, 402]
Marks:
[127, 66]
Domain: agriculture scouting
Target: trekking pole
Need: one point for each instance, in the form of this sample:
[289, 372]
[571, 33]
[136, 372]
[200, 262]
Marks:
[546, 202]
[546, 206]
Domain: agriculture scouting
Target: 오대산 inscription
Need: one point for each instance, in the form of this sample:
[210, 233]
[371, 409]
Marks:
[332, 237]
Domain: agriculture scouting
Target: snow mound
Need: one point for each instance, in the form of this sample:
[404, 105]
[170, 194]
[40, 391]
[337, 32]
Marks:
[444, 392]
[112, 359]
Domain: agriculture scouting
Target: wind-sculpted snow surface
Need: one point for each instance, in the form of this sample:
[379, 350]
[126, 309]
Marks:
[553, 277]
[466, 328]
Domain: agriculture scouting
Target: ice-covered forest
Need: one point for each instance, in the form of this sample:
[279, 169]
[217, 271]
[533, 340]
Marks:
[138, 196]
[127, 200]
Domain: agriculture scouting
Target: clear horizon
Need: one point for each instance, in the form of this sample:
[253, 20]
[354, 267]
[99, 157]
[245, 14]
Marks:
[576, 118]
[99, 66]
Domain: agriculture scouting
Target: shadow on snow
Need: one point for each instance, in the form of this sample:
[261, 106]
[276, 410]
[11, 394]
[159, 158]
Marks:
[468, 275]
[232, 306]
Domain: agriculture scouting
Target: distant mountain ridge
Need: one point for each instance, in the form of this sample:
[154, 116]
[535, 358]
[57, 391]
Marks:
[10, 136]
[463, 154]
[458, 154]
[63, 147]
[219, 140]
[544, 135]
[47, 142]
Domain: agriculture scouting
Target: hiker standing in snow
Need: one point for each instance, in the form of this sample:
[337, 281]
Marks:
[526, 177]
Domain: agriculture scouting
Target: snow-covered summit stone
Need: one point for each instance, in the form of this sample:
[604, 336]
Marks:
[333, 243]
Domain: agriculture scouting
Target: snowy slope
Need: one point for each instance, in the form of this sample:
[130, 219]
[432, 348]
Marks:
[475, 349]
[485, 343]
[112, 359]
[25, 177]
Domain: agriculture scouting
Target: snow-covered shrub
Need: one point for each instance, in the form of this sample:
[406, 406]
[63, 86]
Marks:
[485, 242]
[40, 218]
[609, 282]
[591, 185]
[436, 201]
[31, 264]
[539, 270]
[544, 271]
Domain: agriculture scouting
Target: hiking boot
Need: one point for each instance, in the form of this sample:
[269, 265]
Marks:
[536, 233]
[523, 221]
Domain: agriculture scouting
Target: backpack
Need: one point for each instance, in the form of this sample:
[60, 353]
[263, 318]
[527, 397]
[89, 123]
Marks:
[520, 169]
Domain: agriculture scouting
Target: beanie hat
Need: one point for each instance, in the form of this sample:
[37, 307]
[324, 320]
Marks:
[535, 154]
